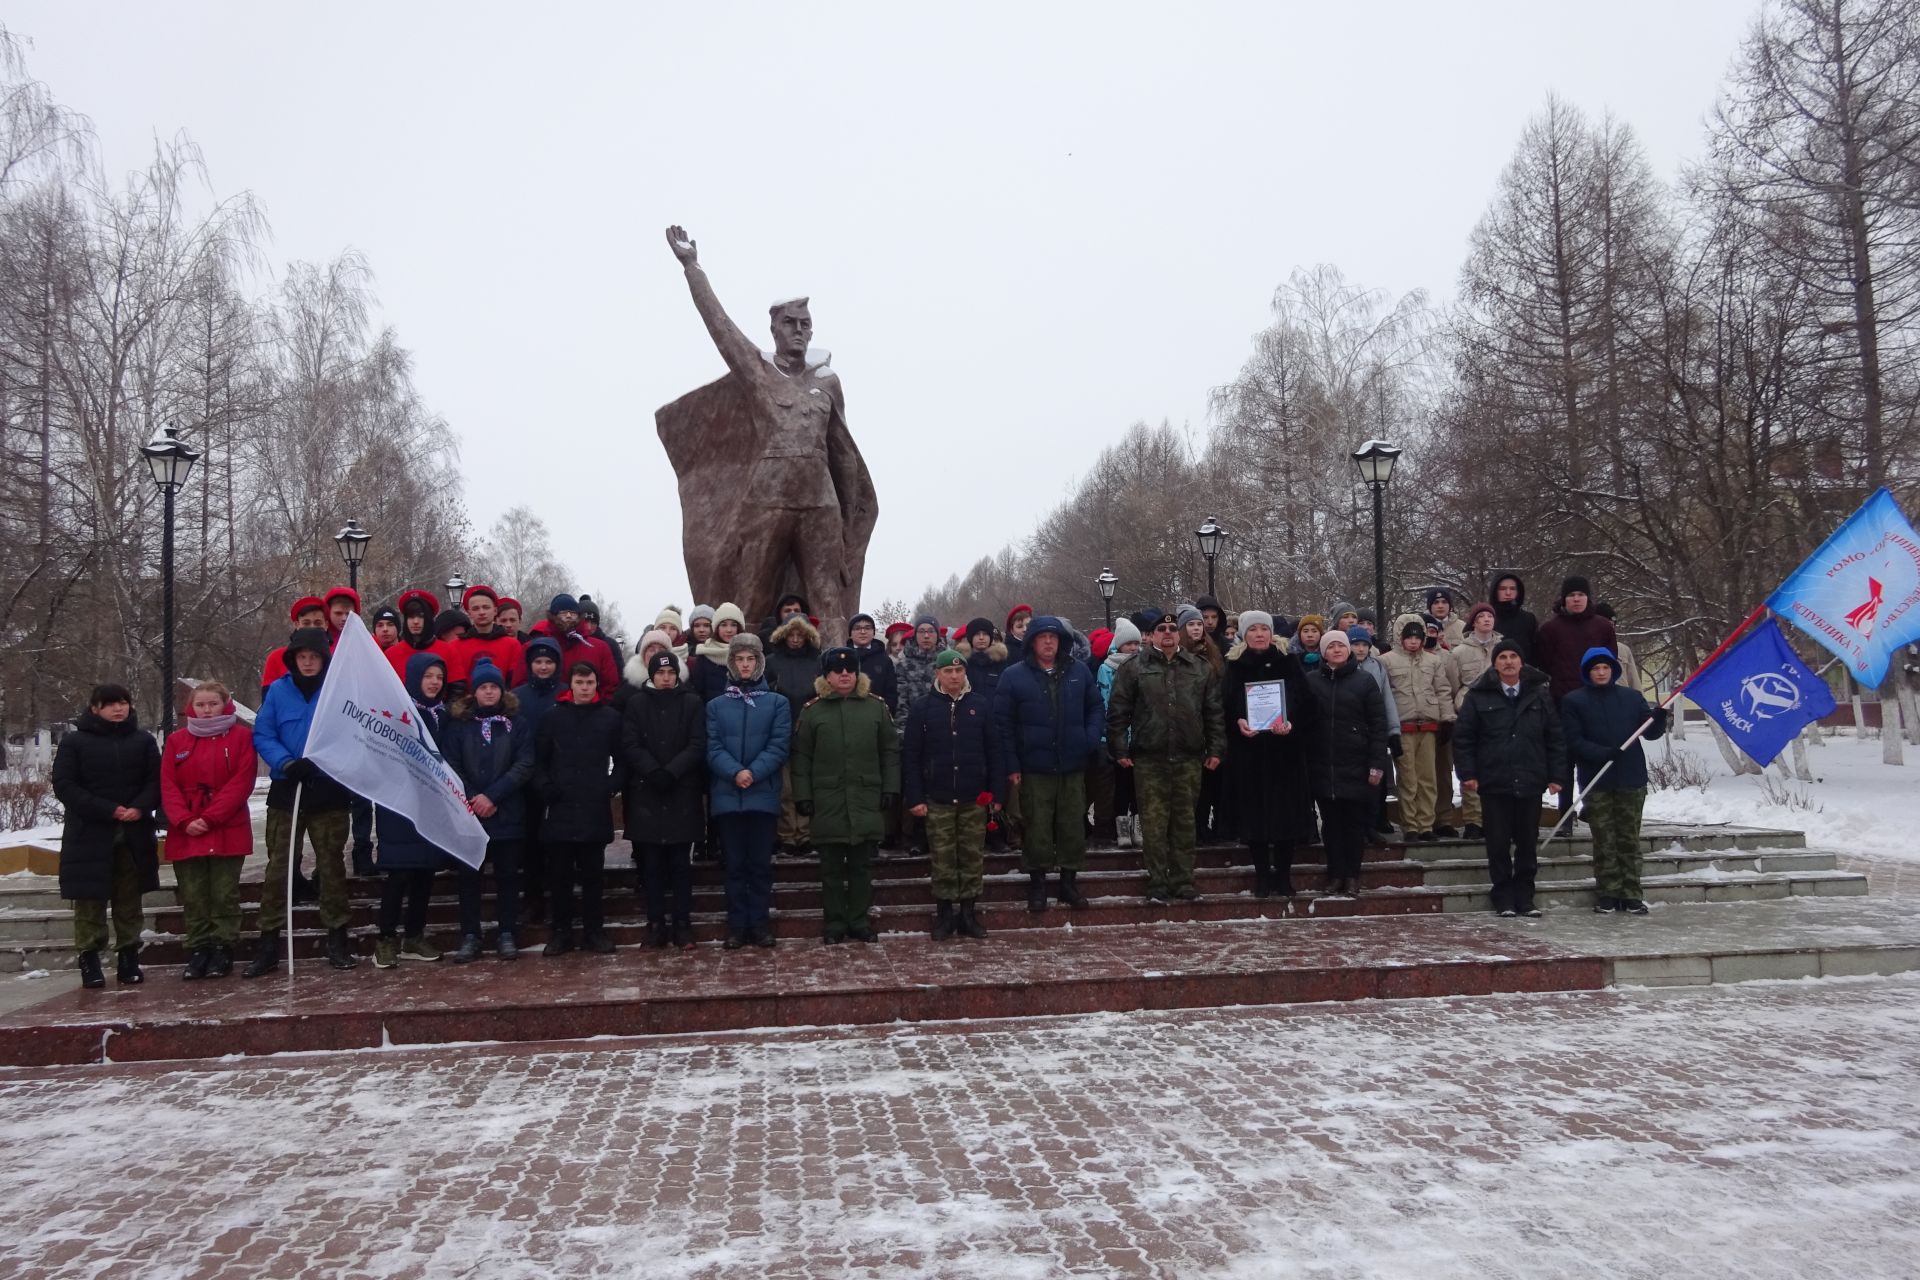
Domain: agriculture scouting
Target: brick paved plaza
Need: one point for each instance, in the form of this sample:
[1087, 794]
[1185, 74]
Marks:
[1766, 1129]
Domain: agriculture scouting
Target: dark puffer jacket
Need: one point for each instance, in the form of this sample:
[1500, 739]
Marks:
[1510, 746]
[578, 768]
[792, 671]
[1048, 722]
[876, 664]
[1562, 639]
[1350, 731]
[664, 736]
[1598, 718]
[501, 769]
[984, 668]
[1513, 621]
[100, 766]
[950, 752]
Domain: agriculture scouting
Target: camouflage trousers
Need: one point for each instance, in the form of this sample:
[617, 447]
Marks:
[327, 832]
[955, 834]
[1053, 811]
[1167, 791]
[1615, 819]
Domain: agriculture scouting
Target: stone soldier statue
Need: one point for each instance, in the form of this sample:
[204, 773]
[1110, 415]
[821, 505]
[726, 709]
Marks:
[774, 496]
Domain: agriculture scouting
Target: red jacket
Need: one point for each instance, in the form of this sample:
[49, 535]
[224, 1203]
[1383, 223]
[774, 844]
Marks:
[209, 778]
[506, 652]
[274, 667]
[578, 646]
[454, 653]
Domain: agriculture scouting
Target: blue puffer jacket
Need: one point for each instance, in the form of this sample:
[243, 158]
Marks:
[748, 727]
[280, 737]
[500, 770]
[1598, 718]
[399, 846]
[1049, 723]
[950, 752]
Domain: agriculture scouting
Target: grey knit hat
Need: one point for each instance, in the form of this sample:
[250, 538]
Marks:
[1254, 618]
[698, 612]
[1188, 614]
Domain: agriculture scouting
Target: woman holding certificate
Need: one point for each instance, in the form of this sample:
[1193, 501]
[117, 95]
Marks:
[1270, 794]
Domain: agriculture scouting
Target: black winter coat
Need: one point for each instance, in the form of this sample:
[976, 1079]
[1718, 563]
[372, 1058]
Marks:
[1514, 621]
[99, 767]
[1349, 731]
[706, 677]
[1510, 746]
[1597, 720]
[950, 753]
[663, 737]
[399, 846]
[792, 674]
[1269, 792]
[501, 770]
[579, 767]
[876, 664]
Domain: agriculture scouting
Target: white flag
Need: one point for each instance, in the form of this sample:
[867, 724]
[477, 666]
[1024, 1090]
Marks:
[367, 736]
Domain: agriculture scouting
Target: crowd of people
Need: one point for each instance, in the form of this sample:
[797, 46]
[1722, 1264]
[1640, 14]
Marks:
[1172, 728]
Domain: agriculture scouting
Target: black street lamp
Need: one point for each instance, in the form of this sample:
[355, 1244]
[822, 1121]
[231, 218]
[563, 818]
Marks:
[170, 461]
[1375, 459]
[1107, 583]
[1211, 535]
[455, 585]
[353, 542]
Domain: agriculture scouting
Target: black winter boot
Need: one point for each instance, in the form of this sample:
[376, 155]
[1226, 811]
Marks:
[266, 955]
[1070, 891]
[339, 950]
[1283, 870]
[1262, 873]
[942, 920]
[1036, 891]
[656, 935]
[970, 925]
[220, 964]
[128, 970]
[92, 976]
[506, 948]
[468, 951]
[197, 963]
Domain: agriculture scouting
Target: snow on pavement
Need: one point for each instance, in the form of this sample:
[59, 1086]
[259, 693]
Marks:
[1768, 1130]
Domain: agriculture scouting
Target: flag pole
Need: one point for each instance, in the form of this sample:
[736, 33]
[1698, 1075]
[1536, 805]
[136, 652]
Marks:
[1573, 806]
[293, 859]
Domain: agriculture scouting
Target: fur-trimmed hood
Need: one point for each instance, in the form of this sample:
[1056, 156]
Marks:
[862, 688]
[996, 653]
[777, 639]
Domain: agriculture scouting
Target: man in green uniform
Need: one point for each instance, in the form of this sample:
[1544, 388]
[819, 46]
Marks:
[846, 772]
[1168, 710]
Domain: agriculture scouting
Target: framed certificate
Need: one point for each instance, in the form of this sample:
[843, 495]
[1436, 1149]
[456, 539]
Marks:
[1266, 704]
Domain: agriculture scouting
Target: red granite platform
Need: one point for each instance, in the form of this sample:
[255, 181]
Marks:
[1016, 973]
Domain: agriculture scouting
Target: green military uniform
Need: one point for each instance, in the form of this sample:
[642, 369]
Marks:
[326, 830]
[956, 835]
[1615, 819]
[1169, 708]
[846, 756]
[209, 890]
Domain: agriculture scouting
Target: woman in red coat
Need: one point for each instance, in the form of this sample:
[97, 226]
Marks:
[206, 780]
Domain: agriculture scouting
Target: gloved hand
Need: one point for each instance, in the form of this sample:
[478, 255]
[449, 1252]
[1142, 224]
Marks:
[1661, 719]
[803, 807]
[1616, 756]
[1393, 746]
[660, 779]
[301, 770]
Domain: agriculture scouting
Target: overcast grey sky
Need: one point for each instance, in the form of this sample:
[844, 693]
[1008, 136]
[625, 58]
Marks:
[1023, 226]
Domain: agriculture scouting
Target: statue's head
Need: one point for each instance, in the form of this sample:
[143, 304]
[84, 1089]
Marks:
[792, 327]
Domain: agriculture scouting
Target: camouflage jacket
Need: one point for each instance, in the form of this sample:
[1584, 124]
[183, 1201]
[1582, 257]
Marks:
[1167, 708]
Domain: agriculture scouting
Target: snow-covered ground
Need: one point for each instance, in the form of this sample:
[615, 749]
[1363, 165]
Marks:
[1855, 804]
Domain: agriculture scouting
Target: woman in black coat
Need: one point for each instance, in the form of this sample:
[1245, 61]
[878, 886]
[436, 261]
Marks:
[578, 767]
[490, 745]
[106, 776]
[664, 739]
[1349, 756]
[1267, 788]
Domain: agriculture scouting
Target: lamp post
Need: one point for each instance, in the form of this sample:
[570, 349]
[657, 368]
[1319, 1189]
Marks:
[1210, 535]
[1107, 583]
[455, 585]
[170, 461]
[1375, 459]
[353, 542]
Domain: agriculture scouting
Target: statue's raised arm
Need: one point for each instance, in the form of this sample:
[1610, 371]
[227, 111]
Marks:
[742, 357]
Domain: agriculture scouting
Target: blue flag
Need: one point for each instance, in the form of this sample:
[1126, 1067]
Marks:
[1761, 694]
[1859, 594]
